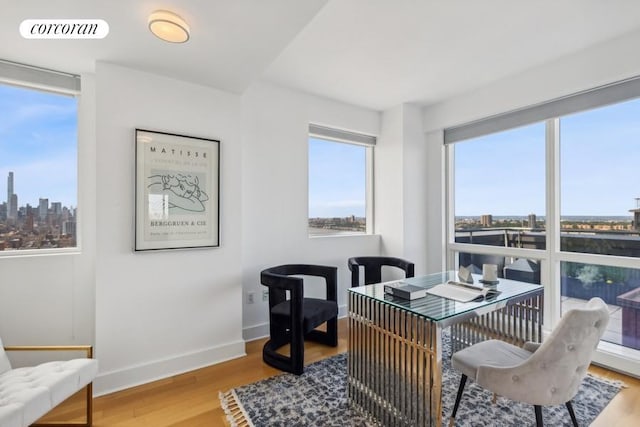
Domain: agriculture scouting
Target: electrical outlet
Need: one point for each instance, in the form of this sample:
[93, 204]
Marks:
[251, 297]
[265, 295]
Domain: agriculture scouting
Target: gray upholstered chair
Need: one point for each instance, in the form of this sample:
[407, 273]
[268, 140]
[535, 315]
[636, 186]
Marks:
[538, 374]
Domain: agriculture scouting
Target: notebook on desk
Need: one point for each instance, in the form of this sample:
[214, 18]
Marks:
[462, 292]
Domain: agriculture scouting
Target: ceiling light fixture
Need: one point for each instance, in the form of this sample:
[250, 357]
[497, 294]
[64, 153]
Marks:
[168, 26]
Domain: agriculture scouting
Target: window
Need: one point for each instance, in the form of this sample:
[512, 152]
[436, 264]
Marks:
[38, 163]
[499, 189]
[340, 165]
[599, 154]
[564, 177]
[599, 158]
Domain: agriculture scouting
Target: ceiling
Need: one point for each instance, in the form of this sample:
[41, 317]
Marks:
[371, 53]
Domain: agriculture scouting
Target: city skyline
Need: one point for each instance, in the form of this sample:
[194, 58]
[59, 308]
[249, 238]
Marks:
[35, 205]
[38, 143]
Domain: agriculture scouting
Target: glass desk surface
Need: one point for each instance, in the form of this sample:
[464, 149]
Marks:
[438, 308]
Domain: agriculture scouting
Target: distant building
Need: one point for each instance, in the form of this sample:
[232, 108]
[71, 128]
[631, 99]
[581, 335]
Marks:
[69, 228]
[636, 214]
[486, 220]
[532, 220]
[12, 212]
[43, 209]
[65, 214]
[56, 208]
[28, 224]
[9, 194]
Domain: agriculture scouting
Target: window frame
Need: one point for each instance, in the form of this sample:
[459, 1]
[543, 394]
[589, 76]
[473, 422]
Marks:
[57, 83]
[335, 135]
[609, 354]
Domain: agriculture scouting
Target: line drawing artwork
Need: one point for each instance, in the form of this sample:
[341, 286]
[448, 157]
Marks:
[182, 190]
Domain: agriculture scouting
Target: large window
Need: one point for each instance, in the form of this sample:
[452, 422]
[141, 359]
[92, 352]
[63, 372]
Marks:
[500, 189]
[38, 166]
[551, 194]
[599, 158]
[600, 180]
[339, 183]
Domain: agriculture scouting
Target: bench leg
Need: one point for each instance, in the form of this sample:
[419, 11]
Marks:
[89, 415]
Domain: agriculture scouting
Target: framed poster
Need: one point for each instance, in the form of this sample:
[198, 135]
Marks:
[177, 191]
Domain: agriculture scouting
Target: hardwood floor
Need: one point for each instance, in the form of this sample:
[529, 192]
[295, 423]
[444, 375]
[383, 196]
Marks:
[191, 399]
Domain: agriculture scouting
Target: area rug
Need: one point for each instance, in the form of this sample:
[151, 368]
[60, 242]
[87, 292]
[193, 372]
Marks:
[319, 398]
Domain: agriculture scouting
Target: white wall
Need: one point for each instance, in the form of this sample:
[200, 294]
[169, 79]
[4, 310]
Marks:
[388, 176]
[416, 180]
[275, 190]
[605, 63]
[401, 179]
[160, 313]
[435, 194]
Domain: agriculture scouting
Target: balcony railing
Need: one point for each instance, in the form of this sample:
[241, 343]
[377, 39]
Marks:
[604, 242]
[617, 286]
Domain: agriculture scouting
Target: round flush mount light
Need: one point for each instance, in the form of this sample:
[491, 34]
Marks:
[168, 26]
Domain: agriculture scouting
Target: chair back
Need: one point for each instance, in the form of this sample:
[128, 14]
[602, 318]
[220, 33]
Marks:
[553, 373]
[373, 268]
[281, 279]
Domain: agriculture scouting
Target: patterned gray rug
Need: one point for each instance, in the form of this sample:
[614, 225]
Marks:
[319, 398]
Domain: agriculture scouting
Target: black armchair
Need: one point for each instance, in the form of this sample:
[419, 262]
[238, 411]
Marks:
[294, 320]
[373, 268]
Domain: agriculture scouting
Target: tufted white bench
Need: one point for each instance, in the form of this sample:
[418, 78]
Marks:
[26, 394]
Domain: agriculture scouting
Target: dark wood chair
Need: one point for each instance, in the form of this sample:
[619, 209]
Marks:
[373, 268]
[294, 320]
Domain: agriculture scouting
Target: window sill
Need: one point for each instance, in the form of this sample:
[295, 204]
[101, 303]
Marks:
[344, 235]
[24, 253]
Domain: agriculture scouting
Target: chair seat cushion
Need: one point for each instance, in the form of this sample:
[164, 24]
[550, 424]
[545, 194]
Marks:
[314, 311]
[29, 393]
[11, 414]
[488, 353]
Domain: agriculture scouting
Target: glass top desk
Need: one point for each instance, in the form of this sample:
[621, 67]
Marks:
[395, 345]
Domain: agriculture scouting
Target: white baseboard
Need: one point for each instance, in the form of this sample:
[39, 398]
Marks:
[618, 358]
[342, 311]
[109, 382]
[255, 332]
[261, 330]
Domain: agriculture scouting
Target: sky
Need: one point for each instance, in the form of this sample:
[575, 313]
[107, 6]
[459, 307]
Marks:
[503, 173]
[38, 143]
[337, 186]
[499, 174]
